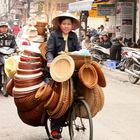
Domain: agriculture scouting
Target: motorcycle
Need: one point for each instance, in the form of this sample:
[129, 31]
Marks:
[131, 65]
[5, 52]
[99, 54]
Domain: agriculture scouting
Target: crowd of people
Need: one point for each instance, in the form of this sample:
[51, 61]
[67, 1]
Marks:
[102, 38]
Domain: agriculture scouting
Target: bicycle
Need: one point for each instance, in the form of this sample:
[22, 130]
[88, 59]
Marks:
[77, 125]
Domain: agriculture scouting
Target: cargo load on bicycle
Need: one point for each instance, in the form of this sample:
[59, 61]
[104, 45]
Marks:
[71, 90]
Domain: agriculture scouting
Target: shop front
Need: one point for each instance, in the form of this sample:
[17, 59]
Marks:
[89, 13]
[115, 15]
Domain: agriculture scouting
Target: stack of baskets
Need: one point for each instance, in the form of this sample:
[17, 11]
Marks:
[88, 82]
[41, 27]
[32, 96]
[27, 80]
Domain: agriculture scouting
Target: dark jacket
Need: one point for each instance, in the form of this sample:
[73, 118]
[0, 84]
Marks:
[56, 44]
[7, 40]
[106, 44]
[115, 50]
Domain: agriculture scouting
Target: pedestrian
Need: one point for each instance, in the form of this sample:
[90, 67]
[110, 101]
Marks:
[86, 42]
[105, 43]
[100, 29]
[7, 40]
[61, 39]
[115, 50]
[15, 29]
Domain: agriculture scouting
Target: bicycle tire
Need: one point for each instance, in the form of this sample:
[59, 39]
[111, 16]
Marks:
[73, 118]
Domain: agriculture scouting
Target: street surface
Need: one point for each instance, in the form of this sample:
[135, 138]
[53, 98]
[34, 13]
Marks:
[118, 120]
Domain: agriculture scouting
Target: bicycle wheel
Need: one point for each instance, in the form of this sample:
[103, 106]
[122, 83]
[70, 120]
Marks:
[80, 128]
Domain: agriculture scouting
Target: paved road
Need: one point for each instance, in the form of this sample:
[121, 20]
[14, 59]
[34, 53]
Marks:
[118, 120]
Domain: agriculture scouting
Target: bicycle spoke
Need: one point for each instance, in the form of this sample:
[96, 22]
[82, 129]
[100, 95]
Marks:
[81, 128]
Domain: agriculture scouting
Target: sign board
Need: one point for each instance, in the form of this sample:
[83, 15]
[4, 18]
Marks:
[61, 6]
[125, 18]
[84, 5]
[106, 9]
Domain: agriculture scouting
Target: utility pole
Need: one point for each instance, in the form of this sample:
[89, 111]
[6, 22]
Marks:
[9, 6]
[28, 8]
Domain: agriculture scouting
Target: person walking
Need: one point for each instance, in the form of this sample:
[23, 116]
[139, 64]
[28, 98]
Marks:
[61, 39]
[15, 29]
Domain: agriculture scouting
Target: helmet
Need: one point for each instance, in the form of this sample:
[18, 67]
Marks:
[3, 23]
[15, 23]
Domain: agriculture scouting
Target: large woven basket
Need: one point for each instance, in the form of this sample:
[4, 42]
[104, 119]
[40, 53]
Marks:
[101, 77]
[63, 102]
[34, 116]
[41, 24]
[80, 60]
[41, 27]
[44, 92]
[94, 98]
[88, 75]
[26, 103]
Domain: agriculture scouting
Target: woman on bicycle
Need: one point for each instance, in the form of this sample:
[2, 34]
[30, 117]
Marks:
[61, 39]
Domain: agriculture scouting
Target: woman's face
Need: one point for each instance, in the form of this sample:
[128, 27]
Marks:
[66, 26]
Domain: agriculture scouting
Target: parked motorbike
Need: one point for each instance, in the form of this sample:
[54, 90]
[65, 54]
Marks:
[5, 52]
[124, 55]
[131, 65]
[99, 54]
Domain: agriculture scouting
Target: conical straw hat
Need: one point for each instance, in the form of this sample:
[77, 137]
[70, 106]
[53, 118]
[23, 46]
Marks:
[76, 22]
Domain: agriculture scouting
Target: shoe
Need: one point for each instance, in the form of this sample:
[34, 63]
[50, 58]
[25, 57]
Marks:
[56, 134]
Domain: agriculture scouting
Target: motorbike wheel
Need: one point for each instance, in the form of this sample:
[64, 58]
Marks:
[132, 78]
[4, 82]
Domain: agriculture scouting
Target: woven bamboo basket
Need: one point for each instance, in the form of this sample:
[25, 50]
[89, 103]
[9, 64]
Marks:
[34, 116]
[40, 30]
[80, 60]
[27, 103]
[88, 75]
[101, 77]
